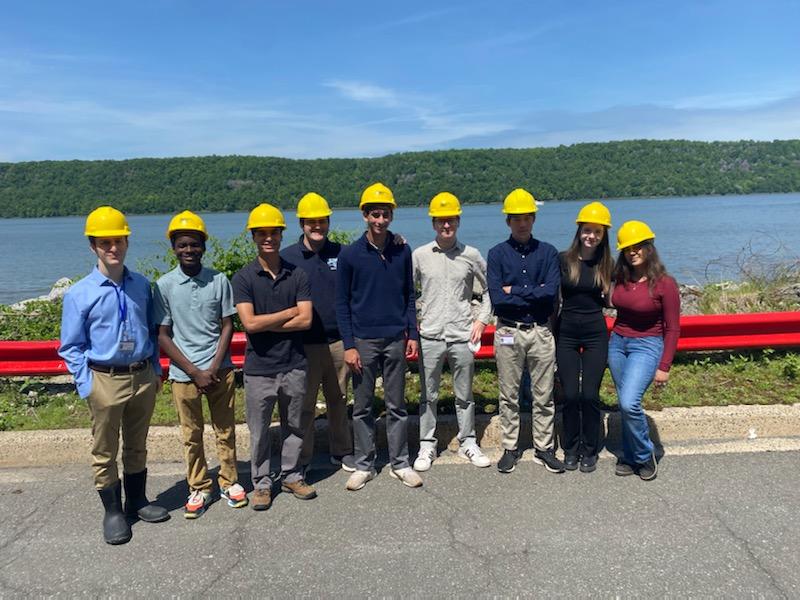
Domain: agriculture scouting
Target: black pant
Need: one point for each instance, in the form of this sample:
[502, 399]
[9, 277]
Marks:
[581, 373]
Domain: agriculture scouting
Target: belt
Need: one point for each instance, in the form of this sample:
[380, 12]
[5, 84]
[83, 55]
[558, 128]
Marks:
[115, 369]
[516, 324]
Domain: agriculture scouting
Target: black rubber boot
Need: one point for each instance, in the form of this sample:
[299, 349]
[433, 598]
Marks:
[115, 526]
[136, 502]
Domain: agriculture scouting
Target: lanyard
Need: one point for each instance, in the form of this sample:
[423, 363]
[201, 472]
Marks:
[122, 302]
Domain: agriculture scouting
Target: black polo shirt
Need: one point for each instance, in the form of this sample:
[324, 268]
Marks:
[321, 268]
[270, 353]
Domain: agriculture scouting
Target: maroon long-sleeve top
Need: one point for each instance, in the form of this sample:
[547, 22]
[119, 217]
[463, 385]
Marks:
[642, 313]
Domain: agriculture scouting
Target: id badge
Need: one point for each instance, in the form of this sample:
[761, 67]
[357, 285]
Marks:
[126, 345]
[507, 339]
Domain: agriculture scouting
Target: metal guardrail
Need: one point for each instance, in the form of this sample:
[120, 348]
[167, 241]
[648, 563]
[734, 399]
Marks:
[698, 333]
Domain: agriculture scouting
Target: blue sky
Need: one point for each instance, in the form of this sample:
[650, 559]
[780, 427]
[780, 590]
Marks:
[97, 80]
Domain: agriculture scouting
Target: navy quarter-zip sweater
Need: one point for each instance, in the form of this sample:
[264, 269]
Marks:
[375, 292]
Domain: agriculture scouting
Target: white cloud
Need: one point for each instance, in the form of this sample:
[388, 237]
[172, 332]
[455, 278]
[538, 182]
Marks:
[365, 92]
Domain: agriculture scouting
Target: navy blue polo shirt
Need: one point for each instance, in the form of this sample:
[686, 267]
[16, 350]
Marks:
[321, 268]
[270, 353]
[532, 271]
[375, 294]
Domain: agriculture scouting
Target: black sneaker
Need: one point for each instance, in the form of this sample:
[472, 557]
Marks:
[588, 463]
[623, 469]
[508, 461]
[648, 470]
[547, 458]
[570, 462]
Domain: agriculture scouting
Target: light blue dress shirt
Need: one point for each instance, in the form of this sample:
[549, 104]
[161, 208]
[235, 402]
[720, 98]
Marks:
[107, 324]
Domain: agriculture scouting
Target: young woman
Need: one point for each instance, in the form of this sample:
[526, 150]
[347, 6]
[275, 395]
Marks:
[581, 335]
[643, 340]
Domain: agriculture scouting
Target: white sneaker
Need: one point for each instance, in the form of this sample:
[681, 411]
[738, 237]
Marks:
[424, 459]
[359, 479]
[408, 476]
[474, 455]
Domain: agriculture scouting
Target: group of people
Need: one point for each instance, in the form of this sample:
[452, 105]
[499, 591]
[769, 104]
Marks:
[317, 313]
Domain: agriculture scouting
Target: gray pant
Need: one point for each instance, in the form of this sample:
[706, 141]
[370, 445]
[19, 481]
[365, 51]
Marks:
[537, 348]
[386, 356]
[433, 354]
[260, 395]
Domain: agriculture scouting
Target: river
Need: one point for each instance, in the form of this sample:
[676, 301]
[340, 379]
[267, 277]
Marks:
[700, 239]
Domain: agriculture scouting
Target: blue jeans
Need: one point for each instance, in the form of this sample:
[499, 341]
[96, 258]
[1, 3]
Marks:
[633, 363]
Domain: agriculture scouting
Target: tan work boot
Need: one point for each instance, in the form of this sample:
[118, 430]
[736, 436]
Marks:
[261, 500]
[300, 489]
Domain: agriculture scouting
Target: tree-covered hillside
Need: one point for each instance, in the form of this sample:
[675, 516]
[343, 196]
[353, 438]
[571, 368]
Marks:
[227, 183]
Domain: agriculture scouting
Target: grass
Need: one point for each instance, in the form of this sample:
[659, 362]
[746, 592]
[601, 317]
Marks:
[708, 379]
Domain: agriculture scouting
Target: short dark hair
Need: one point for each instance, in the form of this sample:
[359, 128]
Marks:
[380, 205]
[195, 234]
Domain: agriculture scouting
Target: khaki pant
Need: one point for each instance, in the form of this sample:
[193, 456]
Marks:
[326, 366]
[126, 401]
[536, 347]
[189, 405]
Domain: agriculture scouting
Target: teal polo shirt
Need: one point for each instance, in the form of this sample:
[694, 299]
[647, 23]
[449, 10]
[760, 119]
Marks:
[194, 307]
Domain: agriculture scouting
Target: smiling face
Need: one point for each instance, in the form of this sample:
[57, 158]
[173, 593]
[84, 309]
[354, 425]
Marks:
[110, 251]
[378, 217]
[590, 235]
[636, 255]
[189, 248]
[446, 229]
[521, 226]
[316, 230]
[268, 240]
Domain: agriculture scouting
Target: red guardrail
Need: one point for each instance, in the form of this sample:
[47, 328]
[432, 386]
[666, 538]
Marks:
[698, 333]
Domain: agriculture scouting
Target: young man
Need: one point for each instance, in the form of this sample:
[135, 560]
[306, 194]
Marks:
[108, 341]
[318, 257]
[448, 273]
[273, 300]
[523, 276]
[193, 306]
[377, 319]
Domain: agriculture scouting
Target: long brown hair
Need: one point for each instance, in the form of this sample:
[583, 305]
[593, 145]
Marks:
[654, 269]
[602, 268]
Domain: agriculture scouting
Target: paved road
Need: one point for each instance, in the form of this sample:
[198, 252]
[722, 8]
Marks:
[722, 525]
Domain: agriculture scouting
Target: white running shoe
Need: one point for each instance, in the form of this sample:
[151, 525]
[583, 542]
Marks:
[359, 479]
[424, 459]
[474, 455]
[408, 476]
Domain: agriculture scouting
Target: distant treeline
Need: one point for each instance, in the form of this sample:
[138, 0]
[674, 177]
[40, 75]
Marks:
[231, 183]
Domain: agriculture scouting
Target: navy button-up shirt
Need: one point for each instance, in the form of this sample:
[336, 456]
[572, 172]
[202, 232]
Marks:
[532, 271]
[321, 268]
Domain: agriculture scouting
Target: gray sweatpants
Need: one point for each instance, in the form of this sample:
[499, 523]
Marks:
[433, 354]
[260, 395]
[386, 356]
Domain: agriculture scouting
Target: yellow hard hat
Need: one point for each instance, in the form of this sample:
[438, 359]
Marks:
[377, 193]
[632, 233]
[596, 213]
[265, 215]
[106, 222]
[519, 202]
[313, 206]
[186, 221]
[444, 204]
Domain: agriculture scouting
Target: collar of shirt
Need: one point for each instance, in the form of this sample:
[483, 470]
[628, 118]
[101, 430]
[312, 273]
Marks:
[204, 275]
[259, 270]
[101, 279]
[527, 248]
[457, 246]
[372, 247]
[324, 251]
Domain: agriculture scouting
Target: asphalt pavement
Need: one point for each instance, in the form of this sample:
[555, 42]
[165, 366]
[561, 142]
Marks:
[718, 525]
